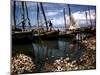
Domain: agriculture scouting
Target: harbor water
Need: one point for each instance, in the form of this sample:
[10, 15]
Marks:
[47, 51]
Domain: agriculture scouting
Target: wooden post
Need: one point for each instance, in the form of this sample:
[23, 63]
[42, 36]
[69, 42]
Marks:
[44, 16]
[23, 16]
[14, 14]
[27, 14]
[64, 18]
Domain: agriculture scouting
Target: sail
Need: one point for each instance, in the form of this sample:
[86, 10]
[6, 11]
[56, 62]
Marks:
[72, 23]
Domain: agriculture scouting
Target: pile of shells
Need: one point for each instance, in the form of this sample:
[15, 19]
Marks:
[65, 64]
[48, 67]
[86, 61]
[90, 43]
[62, 64]
[88, 58]
[22, 63]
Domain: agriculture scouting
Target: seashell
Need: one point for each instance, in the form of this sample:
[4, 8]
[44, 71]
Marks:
[21, 63]
[67, 58]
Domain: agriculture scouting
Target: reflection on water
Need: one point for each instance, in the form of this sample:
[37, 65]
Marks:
[48, 51]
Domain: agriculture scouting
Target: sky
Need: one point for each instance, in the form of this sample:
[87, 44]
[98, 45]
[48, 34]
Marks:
[54, 11]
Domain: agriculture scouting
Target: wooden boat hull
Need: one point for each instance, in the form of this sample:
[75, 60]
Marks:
[66, 36]
[22, 37]
[47, 35]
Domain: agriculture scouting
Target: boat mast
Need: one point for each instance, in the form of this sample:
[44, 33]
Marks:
[44, 16]
[14, 12]
[86, 18]
[37, 15]
[27, 14]
[23, 16]
[95, 16]
[90, 16]
[64, 18]
[69, 12]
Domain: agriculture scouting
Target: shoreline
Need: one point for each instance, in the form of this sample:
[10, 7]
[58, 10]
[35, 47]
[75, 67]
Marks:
[86, 61]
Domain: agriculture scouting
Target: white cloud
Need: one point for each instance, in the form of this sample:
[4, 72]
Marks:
[80, 17]
[53, 13]
[58, 21]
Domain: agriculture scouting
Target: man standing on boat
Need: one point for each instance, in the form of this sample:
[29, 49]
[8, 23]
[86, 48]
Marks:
[50, 25]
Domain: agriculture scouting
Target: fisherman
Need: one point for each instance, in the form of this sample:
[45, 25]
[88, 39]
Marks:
[50, 25]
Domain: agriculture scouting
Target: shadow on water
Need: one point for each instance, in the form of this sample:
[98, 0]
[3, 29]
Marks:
[49, 50]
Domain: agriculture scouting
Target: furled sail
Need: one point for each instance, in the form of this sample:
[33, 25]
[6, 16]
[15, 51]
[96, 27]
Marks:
[72, 23]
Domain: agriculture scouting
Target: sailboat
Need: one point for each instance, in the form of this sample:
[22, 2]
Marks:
[73, 25]
[19, 35]
[46, 34]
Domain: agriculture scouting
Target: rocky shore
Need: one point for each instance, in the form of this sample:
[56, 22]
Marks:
[86, 61]
[21, 64]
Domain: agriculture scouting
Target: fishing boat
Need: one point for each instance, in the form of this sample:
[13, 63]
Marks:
[40, 33]
[70, 28]
[21, 34]
[24, 34]
[47, 35]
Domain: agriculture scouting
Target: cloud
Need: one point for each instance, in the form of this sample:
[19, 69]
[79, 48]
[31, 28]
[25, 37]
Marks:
[58, 21]
[79, 17]
[53, 13]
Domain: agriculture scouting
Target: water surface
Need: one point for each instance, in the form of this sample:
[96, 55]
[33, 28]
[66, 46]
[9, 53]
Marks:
[49, 50]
